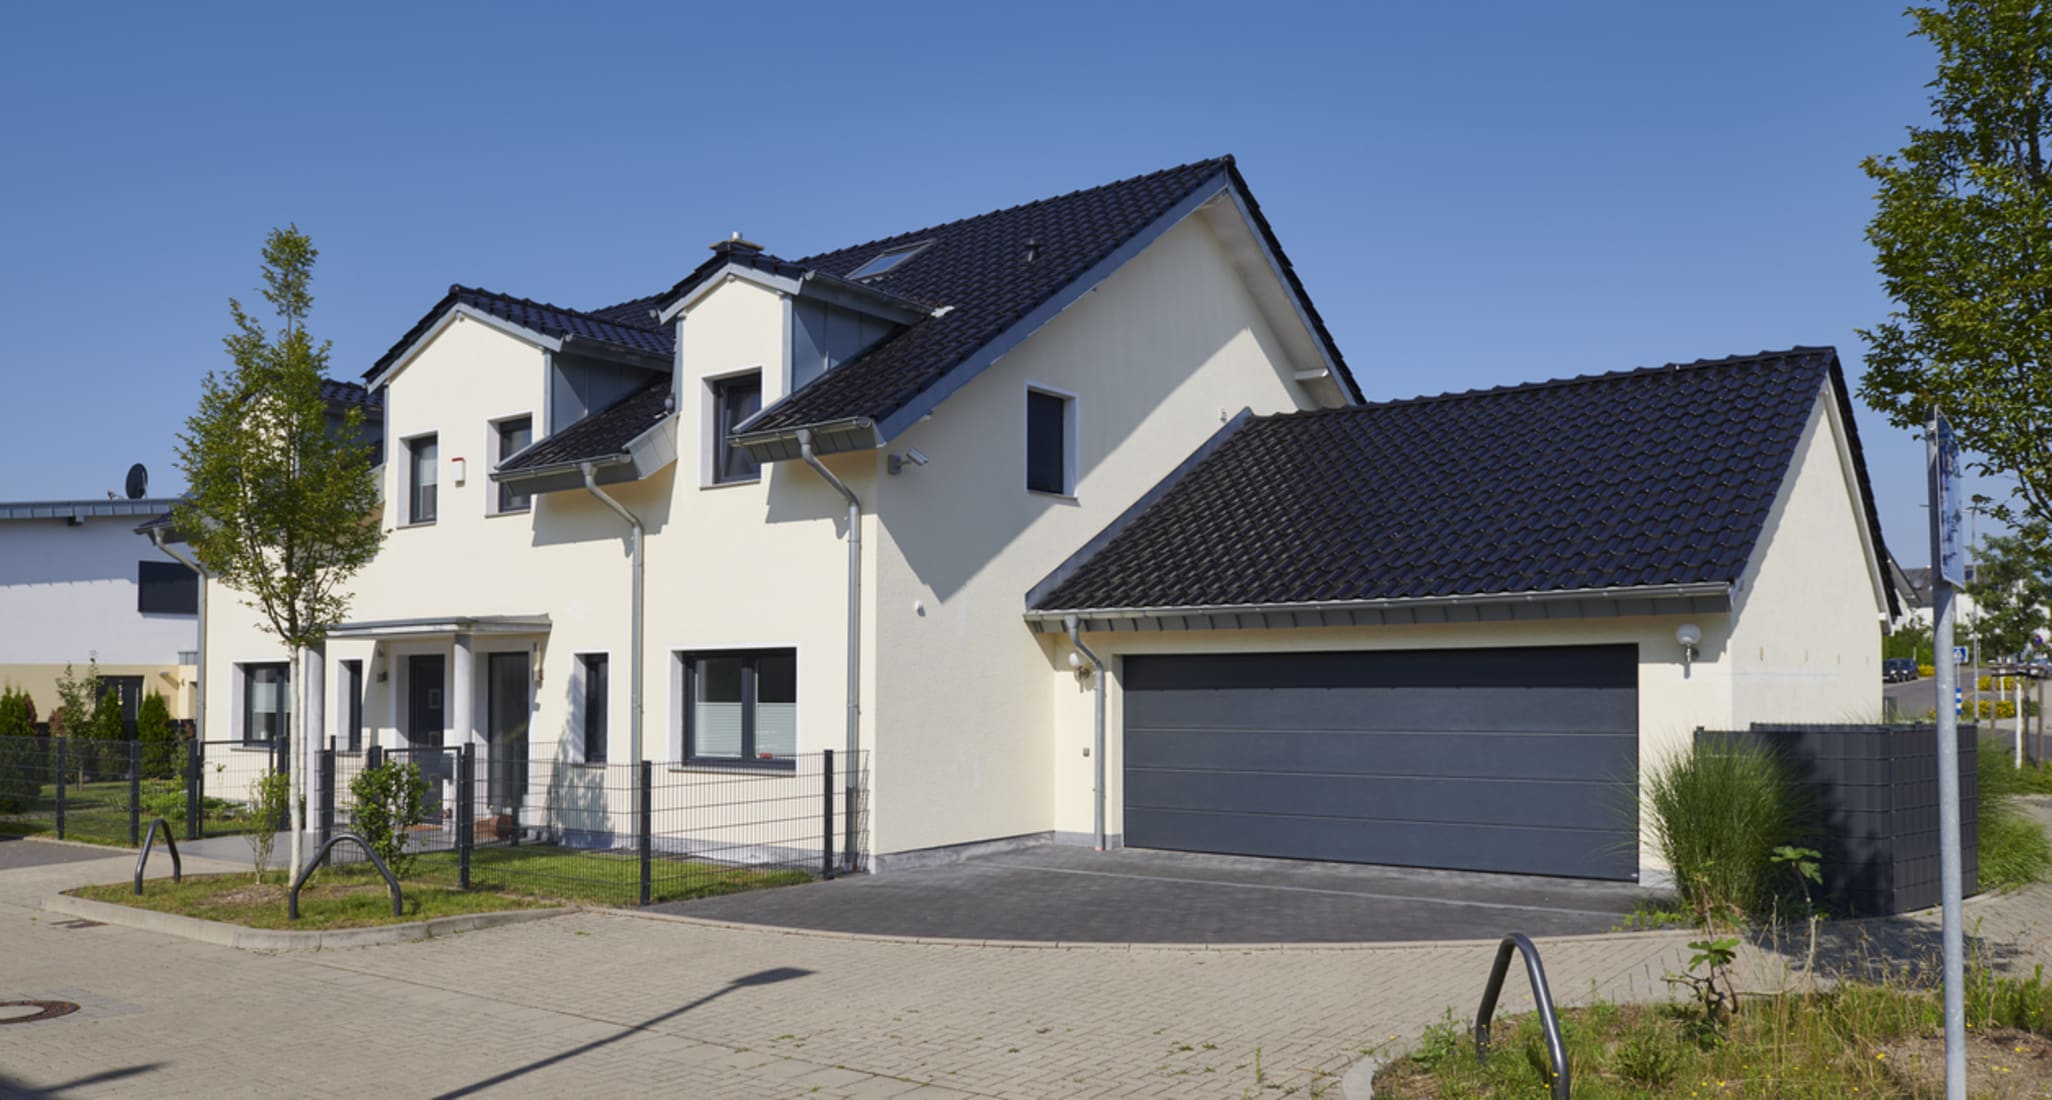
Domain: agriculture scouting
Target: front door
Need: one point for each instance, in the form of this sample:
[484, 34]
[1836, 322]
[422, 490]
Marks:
[426, 712]
[506, 713]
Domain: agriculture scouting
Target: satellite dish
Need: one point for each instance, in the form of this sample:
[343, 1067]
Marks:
[138, 481]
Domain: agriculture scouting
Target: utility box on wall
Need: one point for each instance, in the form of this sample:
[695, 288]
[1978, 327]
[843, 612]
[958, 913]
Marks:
[1873, 793]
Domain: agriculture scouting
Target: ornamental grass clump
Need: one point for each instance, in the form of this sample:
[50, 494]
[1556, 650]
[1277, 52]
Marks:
[1717, 813]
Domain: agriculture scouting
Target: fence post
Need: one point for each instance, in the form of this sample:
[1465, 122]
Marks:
[134, 793]
[327, 794]
[63, 777]
[826, 813]
[374, 756]
[195, 785]
[645, 772]
[849, 767]
[466, 811]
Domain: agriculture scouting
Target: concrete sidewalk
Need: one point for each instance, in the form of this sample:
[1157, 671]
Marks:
[606, 1003]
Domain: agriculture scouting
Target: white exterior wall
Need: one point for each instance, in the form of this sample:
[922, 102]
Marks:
[1158, 356]
[68, 595]
[1808, 643]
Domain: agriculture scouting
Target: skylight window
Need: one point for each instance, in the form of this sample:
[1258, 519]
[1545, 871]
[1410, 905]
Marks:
[885, 262]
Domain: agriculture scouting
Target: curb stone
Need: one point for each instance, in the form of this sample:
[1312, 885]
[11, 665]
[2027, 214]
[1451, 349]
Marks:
[222, 934]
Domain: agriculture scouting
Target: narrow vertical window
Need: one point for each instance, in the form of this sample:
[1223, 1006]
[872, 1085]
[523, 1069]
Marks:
[352, 706]
[420, 489]
[514, 435]
[734, 400]
[595, 687]
[1048, 443]
[266, 703]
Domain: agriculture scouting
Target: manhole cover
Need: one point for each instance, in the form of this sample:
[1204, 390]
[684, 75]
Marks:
[28, 1012]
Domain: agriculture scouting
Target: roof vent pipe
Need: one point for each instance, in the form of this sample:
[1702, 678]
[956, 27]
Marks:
[1032, 249]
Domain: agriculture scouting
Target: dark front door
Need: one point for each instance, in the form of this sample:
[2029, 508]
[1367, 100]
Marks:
[426, 721]
[506, 713]
[1517, 760]
[129, 690]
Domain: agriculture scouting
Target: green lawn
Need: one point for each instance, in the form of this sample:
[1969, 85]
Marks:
[339, 897]
[599, 878]
[97, 812]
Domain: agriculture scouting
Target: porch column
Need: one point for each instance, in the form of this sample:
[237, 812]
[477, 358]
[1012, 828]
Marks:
[383, 671]
[315, 726]
[462, 686]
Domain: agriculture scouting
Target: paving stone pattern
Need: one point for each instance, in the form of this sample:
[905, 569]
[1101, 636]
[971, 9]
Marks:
[604, 1003]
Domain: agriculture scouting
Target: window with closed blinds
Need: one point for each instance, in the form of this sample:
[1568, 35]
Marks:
[741, 707]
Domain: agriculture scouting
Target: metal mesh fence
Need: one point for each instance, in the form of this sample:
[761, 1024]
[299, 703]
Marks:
[228, 773]
[75, 788]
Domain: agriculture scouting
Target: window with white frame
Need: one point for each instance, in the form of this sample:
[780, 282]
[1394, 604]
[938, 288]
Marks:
[741, 706]
[266, 702]
[1050, 442]
[510, 436]
[420, 479]
[732, 400]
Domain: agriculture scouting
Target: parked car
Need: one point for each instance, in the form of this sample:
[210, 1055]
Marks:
[1898, 670]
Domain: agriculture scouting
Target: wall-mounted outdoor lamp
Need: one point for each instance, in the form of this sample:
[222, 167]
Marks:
[913, 455]
[1689, 636]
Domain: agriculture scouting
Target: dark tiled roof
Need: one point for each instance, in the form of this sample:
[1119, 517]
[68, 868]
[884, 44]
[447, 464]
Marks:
[977, 267]
[1647, 477]
[601, 435]
[617, 326]
[338, 394]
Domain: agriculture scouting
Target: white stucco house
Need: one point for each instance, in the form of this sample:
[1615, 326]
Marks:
[76, 587]
[1074, 520]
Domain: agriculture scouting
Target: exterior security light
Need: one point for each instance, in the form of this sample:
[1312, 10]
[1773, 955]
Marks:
[912, 455]
[1689, 636]
[1075, 660]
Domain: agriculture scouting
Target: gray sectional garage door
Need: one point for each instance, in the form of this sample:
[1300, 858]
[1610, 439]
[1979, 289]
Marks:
[1519, 760]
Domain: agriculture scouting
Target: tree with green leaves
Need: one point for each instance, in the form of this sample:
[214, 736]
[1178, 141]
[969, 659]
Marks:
[1963, 242]
[78, 697]
[278, 507]
[158, 737]
[22, 764]
[2012, 588]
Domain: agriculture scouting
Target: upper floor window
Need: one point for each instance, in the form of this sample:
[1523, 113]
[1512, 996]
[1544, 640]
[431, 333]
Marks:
[734, 400]
[1050, 442]
[513, 435]
[420, 480]
[166, 588]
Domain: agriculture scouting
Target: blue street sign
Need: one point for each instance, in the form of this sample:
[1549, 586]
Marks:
[1951, 563]
[1959, 655]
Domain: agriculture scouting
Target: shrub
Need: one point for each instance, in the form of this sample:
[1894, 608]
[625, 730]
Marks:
[21, 758]
[1718, 812]
[110, 736]
[267, 801]
[390, 798]
[159, 738]
[2013, 849]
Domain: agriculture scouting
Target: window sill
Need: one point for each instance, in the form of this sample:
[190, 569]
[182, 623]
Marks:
[730, 765]
[414, 524]
[264, 747]
[510, 512]
[731, 484]
[1067, 498]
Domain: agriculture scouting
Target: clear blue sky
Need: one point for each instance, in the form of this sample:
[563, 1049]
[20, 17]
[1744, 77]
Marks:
[1474, 194]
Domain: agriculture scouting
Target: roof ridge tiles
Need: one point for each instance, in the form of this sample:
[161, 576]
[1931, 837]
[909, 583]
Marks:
[1221, 162]
[1798, 352]
[458, 289]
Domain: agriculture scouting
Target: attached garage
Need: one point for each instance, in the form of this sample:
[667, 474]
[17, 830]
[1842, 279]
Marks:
[1520, 760]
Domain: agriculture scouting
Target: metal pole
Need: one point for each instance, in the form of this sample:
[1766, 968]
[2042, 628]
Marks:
[62, 767]
[134, 793]
[195, 784]
[466, 811]
[645, 801]
[826, 796]
[1942, 460]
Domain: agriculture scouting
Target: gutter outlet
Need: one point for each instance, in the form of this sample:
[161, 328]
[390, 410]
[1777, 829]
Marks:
[854, 636]
[1097, 733]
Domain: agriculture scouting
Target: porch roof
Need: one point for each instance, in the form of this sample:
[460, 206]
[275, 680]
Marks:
[442, 624]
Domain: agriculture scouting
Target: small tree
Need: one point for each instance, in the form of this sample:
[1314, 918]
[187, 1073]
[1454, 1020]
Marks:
[390, 799]
[268, 794]
[1962, 238]
[110, 735]
[278, 506]
[77, 696]
[2012, 589]
[159, 738]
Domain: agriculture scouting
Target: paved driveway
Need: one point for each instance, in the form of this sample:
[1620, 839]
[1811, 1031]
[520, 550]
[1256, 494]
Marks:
[1066, 894]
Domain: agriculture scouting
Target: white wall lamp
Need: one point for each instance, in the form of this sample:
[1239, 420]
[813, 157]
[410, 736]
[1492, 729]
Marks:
[1689, 636]
[1076, 663]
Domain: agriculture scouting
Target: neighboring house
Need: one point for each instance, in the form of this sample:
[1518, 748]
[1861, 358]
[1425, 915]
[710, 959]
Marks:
[76, 586]
[1117, 405]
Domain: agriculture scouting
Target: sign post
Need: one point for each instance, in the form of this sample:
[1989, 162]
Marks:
[1948, 571]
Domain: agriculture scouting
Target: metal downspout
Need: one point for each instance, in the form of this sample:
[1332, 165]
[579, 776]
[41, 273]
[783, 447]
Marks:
[1097, 735]
[199, 687]
[848, 761]
[634, 624]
